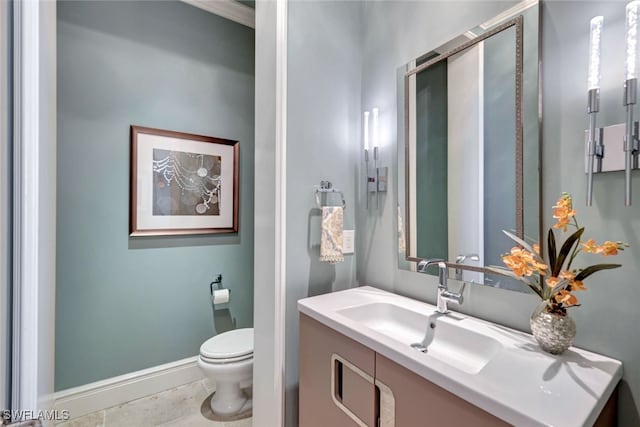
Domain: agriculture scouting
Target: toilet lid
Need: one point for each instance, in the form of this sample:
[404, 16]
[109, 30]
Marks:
[232, 344]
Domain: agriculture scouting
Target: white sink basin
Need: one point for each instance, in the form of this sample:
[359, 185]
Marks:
[495, 368]
[445, 337]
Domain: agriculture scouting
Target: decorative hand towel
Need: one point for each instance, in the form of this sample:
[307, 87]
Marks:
[402, 245]
[331, 238]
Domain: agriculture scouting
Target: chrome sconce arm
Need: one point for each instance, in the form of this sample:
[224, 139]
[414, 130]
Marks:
[366, 169]
[372, 178]
[595, 149]
[379, 180]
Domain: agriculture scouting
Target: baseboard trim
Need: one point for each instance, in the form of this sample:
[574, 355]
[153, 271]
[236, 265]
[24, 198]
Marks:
[115, 391]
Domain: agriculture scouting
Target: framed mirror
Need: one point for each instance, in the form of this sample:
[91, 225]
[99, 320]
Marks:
[468, 147]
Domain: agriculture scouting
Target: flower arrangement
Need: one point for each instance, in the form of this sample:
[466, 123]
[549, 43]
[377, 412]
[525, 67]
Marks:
[555, 280]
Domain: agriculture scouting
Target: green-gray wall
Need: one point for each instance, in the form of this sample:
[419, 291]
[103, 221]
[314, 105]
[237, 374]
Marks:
[607, 321]
[323, 136]
[122, 303]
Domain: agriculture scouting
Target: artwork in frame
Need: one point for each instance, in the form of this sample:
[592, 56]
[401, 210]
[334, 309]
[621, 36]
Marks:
[182, 183]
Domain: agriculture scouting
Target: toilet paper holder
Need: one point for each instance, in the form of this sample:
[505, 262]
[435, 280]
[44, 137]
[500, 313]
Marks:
[217, 281]
[222, 319]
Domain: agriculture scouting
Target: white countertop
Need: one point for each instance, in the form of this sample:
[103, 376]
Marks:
[521, 384]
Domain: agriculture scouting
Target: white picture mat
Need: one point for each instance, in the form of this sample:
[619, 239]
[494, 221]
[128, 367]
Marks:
[145, 218]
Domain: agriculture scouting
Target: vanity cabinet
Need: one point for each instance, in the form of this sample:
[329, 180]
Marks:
[336, 379]
[346, 384]
[341, 381]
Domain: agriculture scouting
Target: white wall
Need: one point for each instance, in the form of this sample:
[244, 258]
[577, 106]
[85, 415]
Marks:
[34, 177]
[268, 373]
[323, 140]
[5, 205]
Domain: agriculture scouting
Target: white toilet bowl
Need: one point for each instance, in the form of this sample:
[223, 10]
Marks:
[227, 359]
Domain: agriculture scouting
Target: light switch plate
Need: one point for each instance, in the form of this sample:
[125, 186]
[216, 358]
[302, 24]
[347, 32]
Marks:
[348, 241]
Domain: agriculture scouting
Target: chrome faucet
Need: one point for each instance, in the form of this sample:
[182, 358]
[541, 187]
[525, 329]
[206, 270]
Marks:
[445, 296]
[460, 259]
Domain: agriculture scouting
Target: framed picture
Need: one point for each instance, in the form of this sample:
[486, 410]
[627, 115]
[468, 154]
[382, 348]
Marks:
[182, 183]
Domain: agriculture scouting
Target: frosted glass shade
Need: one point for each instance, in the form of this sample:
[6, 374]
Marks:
[631, 66]
[595, 45]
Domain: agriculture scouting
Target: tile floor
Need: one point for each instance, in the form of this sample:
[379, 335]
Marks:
[180, 407]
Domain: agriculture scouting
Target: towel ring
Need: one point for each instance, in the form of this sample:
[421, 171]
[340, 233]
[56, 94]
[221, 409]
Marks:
[327, 187]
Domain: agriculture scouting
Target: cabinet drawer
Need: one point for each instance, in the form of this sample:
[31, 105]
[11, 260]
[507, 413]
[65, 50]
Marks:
[419, 402]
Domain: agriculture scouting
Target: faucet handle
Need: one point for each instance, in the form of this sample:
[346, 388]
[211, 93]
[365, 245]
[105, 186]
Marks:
[458, 298]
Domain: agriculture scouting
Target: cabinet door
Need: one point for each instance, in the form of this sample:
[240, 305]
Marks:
[336, 379]
[419, 402]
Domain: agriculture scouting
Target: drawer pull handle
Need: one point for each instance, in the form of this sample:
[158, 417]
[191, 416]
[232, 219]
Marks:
[338, 364]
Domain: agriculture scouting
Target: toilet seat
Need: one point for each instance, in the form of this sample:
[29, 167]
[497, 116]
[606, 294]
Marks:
[231, 346]
[229, 360]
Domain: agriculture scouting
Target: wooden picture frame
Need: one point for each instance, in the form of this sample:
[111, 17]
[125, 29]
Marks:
[182, 183]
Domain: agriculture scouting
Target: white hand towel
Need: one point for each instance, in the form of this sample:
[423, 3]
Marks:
[331, 238]
[402, 245]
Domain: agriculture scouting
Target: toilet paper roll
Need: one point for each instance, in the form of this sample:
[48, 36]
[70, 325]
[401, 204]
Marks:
[221, 296]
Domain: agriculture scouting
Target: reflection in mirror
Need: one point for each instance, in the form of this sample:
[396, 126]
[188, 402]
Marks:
[469, 165]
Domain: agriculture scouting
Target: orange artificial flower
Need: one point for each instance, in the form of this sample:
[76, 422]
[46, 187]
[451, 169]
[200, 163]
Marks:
[538, 266]
[609, 248]
[577, 285]
[522, 262]
[552, 282]
[517, 262]
[566, 275]
[606, 249]
[566, 298]
[590, 246]
[557, 289]
[563, 211]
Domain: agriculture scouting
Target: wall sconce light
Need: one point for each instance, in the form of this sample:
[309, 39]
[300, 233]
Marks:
[621, 138]
[376, 181]
[593, 103]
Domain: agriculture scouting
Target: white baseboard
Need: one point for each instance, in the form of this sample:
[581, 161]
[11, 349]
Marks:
[115, 391]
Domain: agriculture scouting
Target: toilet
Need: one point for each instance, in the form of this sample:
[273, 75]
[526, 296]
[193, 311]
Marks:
[227, 359]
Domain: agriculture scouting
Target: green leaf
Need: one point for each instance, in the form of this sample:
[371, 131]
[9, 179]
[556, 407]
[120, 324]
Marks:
[565, 250]
[551, 243]
[595, 268]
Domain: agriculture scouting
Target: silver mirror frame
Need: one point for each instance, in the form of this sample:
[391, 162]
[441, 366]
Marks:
[517, 23]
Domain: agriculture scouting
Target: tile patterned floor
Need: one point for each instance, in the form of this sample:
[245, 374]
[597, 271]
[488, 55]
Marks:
[178, 407]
